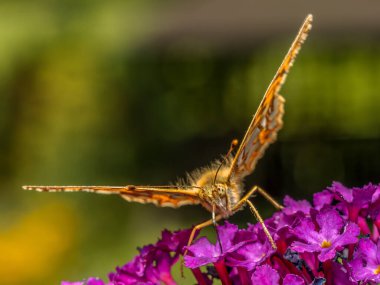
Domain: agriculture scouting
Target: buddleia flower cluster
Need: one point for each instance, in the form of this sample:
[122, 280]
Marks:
[334, 241]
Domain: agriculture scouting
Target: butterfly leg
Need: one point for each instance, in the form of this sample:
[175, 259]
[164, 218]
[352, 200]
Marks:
[261, 221]
[201, 226]
[253, 209]
[196, 228]
[269, 198]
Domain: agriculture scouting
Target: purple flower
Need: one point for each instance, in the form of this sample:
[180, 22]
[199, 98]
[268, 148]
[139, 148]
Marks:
[366, 263]
[152, 265]
[340, 275]
[174, 242]
[323, 198]
[90, 281]
[202, 252]
[332, 234]
[351, 200]
[281, 227]
[315, 245]
[250, 255]
[292, 206]
[265, 275]
[374, 209]
[292, 279]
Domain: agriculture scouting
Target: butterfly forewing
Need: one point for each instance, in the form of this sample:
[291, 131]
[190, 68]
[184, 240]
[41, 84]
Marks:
[164, 196]
[259, 136]
[268, 118]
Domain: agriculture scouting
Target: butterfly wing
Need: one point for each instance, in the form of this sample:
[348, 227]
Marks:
[163, 196]
[268, 118]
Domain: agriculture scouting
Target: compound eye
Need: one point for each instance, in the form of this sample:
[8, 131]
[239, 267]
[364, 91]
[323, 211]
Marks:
[220, 190]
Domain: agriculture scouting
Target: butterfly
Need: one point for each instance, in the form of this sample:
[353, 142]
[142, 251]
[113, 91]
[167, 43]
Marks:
[219, 187]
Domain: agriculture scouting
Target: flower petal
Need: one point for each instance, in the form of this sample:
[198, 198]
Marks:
[330, 223]
[201, 252]
[292, 279]
[265, 275]
[349, 236]
[367, 250]
[250, 255]
[306, 232]
[344, 192]
[226, 234]
[322, 198]
[293, 206]
[304, 247]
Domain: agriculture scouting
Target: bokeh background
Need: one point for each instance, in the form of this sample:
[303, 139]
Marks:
[139, 92]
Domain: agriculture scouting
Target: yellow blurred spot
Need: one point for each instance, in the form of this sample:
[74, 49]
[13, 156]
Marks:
[377, 270]
[326, 244]
[34, 245]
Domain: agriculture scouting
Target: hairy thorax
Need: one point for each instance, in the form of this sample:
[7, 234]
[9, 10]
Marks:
[217, 192]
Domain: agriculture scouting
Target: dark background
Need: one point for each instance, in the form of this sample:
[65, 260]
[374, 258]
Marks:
[140, 92]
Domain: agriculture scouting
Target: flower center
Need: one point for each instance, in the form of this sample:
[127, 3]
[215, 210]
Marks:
[326, 244]
[377, 270]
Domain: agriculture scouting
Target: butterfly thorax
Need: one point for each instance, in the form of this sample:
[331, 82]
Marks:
[217, 192]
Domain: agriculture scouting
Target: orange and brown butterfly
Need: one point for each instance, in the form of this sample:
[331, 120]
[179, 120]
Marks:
[219, 188]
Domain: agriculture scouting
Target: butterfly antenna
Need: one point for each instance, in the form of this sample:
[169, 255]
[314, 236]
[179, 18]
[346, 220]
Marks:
[233, 145]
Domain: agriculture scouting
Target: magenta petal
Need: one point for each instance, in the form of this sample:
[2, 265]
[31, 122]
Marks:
[340, 275]
[330, 223]
[226, 235]
[362, 197]
[304, 247]
[174, 241]
[327, 254]
[349, 235]
[306, 231]
[342, 190]
[95, 281]
[89, 281]
[376, 194]
[367, 250]
[250, 255]
[293, 206]
[322, 198]
[265, 275]
[378, 251]
[201, 252]
[292, 279]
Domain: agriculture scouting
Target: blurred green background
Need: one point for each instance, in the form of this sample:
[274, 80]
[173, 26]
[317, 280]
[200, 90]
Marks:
[139, 92]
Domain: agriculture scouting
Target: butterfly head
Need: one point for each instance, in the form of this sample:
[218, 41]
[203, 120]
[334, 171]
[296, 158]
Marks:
[219, 196]
[216, 191]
